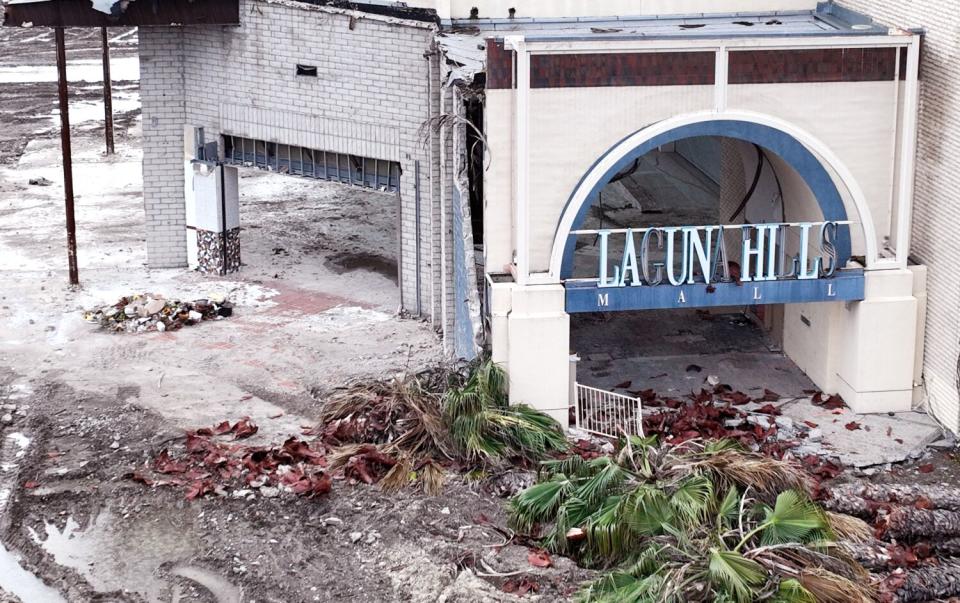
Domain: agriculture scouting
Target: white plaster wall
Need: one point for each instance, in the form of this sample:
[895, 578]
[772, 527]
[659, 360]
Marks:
[498, 181]
[570, 128]
[856, 120]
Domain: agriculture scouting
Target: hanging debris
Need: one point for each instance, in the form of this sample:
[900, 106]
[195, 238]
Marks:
[152, 312]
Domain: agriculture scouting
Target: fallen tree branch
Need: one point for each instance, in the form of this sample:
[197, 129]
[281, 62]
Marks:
[934, 497]
[928, 583]
[909, 523]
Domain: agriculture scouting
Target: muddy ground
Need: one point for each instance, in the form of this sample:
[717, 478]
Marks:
[97, 535]
[316, 307]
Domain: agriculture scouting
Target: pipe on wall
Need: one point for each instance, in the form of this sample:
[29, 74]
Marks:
[433, 301]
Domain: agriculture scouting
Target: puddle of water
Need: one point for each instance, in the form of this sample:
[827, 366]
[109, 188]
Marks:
[117, 555]
[348, 262]
[18, 581]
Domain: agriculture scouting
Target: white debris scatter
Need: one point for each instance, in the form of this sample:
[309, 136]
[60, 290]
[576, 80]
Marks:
[22, 441]
[346, 317]
[92, 111]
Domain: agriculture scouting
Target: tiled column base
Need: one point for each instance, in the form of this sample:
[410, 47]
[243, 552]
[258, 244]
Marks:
[210, 255]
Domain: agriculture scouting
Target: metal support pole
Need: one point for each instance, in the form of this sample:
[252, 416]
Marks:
[107, 92]
[67, 161]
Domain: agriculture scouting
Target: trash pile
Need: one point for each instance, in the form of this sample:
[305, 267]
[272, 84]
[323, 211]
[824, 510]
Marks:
[214, 465]
[152, 312]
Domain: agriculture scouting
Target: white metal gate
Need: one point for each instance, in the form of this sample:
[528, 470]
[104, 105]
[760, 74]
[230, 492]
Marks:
[607, 413]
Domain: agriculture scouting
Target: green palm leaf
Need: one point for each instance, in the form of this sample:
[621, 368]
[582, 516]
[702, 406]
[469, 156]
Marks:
[648, 511]
[607, 477]
[728, 509]
[692, 498]
[734, 574]
[791, 591]
[539, 503]
[794, 518]
[608, 535]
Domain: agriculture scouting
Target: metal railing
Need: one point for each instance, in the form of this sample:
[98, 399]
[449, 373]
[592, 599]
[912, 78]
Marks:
[607, 413]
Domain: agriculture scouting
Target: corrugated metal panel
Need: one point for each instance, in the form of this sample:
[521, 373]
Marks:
[321, 164]
[312, 131]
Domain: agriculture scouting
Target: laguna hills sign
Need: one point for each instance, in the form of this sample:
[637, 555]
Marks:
[688, 266]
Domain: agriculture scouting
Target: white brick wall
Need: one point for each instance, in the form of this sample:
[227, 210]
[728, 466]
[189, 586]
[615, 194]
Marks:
[937, 198]
[370, 98]
[161, 92]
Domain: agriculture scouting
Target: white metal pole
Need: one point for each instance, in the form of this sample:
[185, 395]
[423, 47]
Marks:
[522, 162]
[908, 157]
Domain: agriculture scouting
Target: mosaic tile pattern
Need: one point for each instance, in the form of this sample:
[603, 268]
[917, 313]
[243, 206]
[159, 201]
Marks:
[499, 66]
[622, 69]
[210, 255]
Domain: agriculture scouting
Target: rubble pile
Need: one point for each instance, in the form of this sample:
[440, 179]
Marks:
[754, 422]
[215, 465]
[10, 413]
[151, 312]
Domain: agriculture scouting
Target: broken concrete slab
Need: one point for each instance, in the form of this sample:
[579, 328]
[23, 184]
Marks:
[870, 439]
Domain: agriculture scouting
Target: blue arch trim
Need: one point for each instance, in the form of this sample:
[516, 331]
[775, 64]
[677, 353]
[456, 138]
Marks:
[787, 147]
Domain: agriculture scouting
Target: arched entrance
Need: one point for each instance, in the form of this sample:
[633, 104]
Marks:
[683, 251]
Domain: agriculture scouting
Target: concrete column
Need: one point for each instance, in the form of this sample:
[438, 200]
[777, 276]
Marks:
[877, 343]
[539, 350]
[500, 300]
[212, 198]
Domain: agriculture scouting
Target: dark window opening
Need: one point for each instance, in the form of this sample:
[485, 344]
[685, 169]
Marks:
[476, 151]
[307, 70]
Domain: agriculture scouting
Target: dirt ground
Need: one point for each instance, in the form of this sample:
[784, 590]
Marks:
[316, 307]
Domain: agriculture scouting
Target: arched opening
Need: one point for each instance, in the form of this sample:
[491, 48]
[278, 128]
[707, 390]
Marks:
[813, 161]
[652, 310]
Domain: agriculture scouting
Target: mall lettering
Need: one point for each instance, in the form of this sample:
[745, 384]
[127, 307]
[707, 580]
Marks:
[685, 255]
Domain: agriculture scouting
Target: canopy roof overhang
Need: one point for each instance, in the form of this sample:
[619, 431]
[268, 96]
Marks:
[119, 13]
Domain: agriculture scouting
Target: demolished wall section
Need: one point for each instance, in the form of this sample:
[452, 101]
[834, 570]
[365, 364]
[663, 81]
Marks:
[468, 324]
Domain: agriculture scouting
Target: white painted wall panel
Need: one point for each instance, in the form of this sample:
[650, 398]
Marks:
[570, 128]
[936, 206]
[856, 120]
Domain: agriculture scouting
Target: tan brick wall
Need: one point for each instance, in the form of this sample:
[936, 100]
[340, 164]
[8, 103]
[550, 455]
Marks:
[937, 200]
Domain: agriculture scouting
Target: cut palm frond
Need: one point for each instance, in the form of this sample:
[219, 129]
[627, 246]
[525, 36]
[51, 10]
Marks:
[484, 426]
[827, 587]
[701, 521]
[849, 528]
